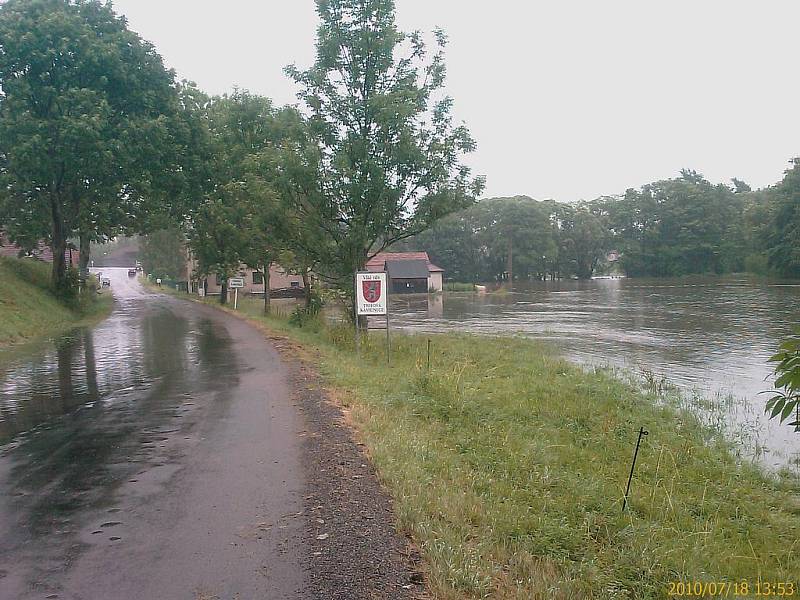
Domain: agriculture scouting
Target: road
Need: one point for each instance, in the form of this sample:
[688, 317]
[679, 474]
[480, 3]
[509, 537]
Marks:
[154, 456]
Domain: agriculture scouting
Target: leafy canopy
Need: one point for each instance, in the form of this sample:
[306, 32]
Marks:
[85, 115]
[786, 397]
[387, 161]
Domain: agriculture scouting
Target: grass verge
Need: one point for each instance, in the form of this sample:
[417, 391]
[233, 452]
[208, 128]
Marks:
[454, 286]
[508, 466]
[29, 310]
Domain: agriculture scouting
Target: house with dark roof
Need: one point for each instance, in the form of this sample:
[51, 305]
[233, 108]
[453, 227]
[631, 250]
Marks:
[408, 272]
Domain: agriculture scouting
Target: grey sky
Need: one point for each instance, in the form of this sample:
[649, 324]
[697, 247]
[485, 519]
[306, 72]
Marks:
[566, 99]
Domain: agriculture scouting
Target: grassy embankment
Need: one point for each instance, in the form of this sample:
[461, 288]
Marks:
[28, 309]
[508, 466]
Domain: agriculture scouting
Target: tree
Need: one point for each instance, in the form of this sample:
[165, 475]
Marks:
[83, 118]
[584, 239]
[163, 254]
[783, 242]
[387, 165]
[679, 226]
[740, 187]
[241, 219]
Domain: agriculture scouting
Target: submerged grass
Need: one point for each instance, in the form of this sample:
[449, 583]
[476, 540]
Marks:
[508, 466]
[28, 309]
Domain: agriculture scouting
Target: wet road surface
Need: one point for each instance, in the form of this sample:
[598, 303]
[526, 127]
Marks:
[153, 456]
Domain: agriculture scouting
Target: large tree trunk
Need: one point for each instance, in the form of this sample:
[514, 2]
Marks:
[83, 264]
[58, 245]
[266, 291]
[223, 294]
[307, 288]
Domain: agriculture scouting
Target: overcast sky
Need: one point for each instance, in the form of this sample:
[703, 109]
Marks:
[566, 99]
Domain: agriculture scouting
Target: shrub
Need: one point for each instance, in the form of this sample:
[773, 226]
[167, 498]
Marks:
[786, 395]
[303, 316]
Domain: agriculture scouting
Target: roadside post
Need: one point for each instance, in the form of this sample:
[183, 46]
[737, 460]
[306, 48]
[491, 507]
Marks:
[429, 354]
[235, 283]
[642, 433]
[372, 299]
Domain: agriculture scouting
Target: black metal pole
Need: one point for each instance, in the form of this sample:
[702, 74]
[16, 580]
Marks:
[388, 346]
[388, 343]
[642, 432]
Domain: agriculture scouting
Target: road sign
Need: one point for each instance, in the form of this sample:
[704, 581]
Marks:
[236, 282]
[371, 293]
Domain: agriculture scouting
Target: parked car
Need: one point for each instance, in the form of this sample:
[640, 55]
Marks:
[132, 272]
[105, 282]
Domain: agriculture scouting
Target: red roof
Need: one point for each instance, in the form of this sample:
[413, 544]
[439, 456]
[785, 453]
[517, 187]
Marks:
[377, 262]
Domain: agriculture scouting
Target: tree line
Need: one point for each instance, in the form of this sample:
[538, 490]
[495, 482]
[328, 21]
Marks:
[98, 139]
[680, 226]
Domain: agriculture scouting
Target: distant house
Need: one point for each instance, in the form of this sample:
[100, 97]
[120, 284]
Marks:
[41, 252]
[408, 272]
[279, 281]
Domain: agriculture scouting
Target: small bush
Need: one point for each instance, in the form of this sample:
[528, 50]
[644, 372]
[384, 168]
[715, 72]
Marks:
[303, 316]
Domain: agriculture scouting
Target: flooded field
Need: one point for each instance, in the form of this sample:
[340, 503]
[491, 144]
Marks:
[710, 336]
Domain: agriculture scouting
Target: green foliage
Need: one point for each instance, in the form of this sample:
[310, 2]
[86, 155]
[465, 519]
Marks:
[783, 243]
[67, 292]
[518, 237]
[241, 218]
[163, 254]
[583, 239]
[677, 227]
[786, 396]
[673, 227]
[303, 316]
[381, 161]
[85, 123]
[454, 286]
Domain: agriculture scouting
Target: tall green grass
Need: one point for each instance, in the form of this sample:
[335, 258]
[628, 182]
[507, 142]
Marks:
[28, 308]
[454, 286]
[508, 467]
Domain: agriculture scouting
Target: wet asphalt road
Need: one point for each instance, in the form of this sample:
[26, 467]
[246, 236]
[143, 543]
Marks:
[153, 456]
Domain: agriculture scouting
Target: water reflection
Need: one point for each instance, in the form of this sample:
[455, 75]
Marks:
[82, 416]
[708, 334]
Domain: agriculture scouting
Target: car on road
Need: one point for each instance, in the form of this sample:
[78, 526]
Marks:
[105, 282]
[132, 272]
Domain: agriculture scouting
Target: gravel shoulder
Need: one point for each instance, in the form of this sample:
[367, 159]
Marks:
[355, 550]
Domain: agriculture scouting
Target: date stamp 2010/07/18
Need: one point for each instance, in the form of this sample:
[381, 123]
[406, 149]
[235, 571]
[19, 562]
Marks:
[733, 589]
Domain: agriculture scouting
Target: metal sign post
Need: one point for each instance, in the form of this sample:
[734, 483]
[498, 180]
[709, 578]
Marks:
[372, 298]
[642, 432]
[388, 345]
[235, 283]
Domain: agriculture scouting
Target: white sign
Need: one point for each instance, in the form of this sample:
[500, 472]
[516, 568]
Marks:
[236, 282]
[371, 293]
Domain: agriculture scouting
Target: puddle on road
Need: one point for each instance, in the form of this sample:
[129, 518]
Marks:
[88, 420]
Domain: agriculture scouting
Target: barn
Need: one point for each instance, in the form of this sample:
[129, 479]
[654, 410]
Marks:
[408, 272]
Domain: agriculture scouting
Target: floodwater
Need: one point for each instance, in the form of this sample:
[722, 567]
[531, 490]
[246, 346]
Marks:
[710, 336]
